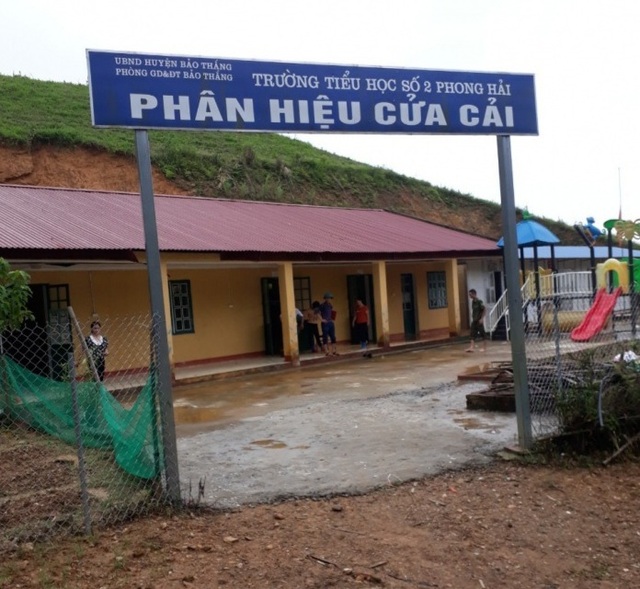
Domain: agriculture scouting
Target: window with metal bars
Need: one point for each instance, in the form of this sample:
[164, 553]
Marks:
[437, 290]
[302, 291]
[181, 307]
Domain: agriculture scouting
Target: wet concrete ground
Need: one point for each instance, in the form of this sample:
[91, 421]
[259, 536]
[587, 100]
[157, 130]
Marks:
[342, 427]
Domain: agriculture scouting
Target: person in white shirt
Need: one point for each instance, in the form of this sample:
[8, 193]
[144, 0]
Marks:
[98, 346]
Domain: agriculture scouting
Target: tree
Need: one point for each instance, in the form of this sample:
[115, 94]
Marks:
[14, 296]
[627, 230]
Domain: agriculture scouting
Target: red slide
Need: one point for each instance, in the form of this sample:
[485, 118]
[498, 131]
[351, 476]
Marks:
[596, 316]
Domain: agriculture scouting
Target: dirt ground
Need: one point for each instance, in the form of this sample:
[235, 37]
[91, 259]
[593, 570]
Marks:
[504, 525]
[506, 522]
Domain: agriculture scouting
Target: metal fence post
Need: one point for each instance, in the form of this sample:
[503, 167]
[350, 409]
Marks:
[82, 470]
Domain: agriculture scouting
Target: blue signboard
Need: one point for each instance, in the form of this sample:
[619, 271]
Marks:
[141, 91]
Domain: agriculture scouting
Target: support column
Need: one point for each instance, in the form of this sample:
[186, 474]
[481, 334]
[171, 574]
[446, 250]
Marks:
[288, 314]
[382, 303]
[164, 277]
[166, 304]
[455, 325]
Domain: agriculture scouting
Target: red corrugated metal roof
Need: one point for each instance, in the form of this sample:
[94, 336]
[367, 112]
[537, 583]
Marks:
[53, 218]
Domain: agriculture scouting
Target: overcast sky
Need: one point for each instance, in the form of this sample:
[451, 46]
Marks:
[585, 57]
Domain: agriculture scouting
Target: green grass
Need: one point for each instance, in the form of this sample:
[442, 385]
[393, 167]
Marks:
[36, 112]
[251, 166]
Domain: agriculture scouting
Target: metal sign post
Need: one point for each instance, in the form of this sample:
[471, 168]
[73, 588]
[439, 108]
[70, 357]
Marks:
[158, 316]
[514, 297]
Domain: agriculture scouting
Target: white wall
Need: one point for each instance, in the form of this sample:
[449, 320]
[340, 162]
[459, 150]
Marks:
[480, 277]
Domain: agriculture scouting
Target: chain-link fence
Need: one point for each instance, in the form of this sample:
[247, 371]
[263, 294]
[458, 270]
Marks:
[80, 436]
[578, 343]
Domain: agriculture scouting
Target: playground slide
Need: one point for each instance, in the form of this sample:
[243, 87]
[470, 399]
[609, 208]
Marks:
[596, 316]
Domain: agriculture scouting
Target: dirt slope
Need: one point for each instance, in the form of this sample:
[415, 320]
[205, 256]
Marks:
[79, 167]
[75, 168]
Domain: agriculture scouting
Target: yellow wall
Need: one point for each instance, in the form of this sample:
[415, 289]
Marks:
[119, 300]
[428, 319]
[227, 314]
[227, 307]
[108, 292]
[333, 280]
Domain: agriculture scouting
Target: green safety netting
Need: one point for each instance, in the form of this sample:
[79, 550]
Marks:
[103, 422]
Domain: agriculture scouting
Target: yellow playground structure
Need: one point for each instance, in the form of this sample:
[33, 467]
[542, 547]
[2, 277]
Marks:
[568, 320]
[613, 265]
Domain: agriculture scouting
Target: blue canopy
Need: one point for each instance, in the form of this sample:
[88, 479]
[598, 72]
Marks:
[531, 233]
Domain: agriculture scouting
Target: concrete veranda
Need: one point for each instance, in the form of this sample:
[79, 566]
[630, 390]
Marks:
[231, 368]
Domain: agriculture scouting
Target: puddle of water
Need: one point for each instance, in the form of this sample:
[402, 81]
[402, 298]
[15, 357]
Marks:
[189, 414]
[215, 401]
[390, 379]
[475, 423]
[484, 371]
[269, 443]
[469, 422]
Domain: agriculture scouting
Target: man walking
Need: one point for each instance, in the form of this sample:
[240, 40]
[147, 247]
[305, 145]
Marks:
[478, 311]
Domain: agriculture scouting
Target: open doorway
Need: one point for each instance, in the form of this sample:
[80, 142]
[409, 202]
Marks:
[360, 286]
[273, 345]
[409, 318]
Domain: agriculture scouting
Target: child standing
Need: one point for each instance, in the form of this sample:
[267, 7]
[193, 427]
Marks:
[361, 324]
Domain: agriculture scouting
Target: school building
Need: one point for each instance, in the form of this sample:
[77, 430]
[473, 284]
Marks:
[235, 271]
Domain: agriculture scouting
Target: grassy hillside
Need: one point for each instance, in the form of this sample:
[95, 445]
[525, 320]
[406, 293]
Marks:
[240, 165]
